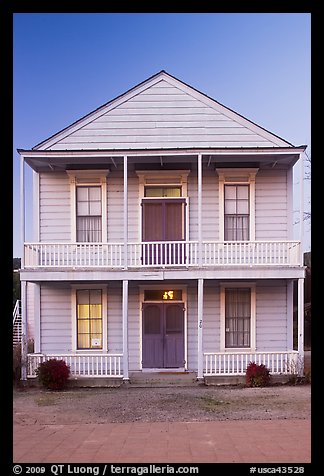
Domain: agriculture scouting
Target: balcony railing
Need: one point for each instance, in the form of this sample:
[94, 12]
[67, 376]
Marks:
[162, 254]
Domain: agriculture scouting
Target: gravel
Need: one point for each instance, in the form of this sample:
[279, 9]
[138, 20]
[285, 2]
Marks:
[182, 404]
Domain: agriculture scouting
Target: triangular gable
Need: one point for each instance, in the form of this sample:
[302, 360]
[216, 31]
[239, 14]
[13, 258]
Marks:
[162, 112]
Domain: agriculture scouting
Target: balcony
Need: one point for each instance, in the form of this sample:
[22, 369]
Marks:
[165, 254]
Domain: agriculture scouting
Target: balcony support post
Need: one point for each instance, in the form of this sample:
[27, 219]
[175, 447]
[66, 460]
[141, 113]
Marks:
[200, 374]
[22, 209]
[125, 212]
[24, 341]
[125, 330]
[301, 326]
[200, 209]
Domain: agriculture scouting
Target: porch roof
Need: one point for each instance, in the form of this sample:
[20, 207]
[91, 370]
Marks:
[267, 157]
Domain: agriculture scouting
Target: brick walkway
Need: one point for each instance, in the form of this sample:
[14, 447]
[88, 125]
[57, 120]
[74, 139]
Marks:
[258, 441]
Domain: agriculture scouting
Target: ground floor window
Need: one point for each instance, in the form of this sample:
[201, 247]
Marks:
[89, 318]
[237, 317]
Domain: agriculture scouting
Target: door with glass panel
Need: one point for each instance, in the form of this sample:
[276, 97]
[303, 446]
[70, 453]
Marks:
[163, 227]
[163, 335]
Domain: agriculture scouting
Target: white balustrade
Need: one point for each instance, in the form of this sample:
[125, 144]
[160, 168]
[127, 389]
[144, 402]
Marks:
[235, 363]
[162, 254]
[82, 365]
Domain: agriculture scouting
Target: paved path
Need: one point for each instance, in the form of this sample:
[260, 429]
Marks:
[257, 441]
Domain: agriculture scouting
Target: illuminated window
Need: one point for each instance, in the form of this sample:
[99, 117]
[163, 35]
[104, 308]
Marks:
[89, 319]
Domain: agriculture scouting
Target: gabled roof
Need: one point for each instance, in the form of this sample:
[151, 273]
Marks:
[161, 112]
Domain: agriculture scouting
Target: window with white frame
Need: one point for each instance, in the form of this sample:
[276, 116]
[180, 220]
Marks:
[238, 316]
[236, 204]
[89, 319]
[236, 212]
[88, 189]
[88, 214]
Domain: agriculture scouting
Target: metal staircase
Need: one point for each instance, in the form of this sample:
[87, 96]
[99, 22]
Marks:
[16, 330]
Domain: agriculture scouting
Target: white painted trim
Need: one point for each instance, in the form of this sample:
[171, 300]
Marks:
[290, 209]
[22, 209]
[200, 326]
[301, 319]
[125, 211]
[200, 172]
[301, 205]
[24, 330]
[237, 151]
[101, 176]
[36, 210]
[104, 304]
[241, 284]
[226, 176]
[290, 313]
[146, 175]
[125, 329]
[37, 318]
[184, 301]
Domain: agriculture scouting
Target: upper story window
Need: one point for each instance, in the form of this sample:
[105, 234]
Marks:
[236, 212]
[88, 190]
[88, 211]
[236, 204]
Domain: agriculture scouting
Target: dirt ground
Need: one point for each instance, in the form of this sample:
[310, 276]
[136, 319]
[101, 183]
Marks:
[182, 404]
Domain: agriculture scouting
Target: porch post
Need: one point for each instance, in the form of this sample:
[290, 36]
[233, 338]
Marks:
[200, 209]
[37, 343]
[290, 314]
[125, 330]
[24, 330]
[301, 204]
[125, 212]
[200, 328]
[22, 210]
[301, 325]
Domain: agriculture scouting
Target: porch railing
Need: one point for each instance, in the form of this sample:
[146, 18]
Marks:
[162, 254]
[81, 365]
[235, 363]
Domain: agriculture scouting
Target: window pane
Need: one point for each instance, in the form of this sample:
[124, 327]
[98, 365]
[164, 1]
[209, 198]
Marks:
[230, 192]
[95, 208]
[82, 208]
[162, 191]
[95, 296]
[230, 207]
[243, 192]
[243, 207]
[83, 341]
[82, 194]
[95, 193]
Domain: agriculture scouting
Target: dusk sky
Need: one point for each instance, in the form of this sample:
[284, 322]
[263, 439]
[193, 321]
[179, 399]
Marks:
[67, 65]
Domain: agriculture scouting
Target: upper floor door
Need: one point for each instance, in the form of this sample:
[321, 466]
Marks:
[163, 220]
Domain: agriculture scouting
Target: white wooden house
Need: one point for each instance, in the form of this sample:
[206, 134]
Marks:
[163, 239]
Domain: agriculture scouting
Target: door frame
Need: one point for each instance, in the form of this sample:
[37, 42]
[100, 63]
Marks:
[184, 301]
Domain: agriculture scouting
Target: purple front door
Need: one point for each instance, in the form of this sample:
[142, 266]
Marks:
[163, 335]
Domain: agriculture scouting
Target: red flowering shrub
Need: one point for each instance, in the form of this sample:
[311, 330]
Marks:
[257, 375]
[53, 374]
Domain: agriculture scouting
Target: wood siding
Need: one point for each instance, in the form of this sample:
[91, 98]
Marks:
[54, 207]
[271, 320]
[271, 209]
[56, 319]
[163, 116]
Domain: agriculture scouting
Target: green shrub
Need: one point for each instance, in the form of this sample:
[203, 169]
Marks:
[53, 374]
[257, 375]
